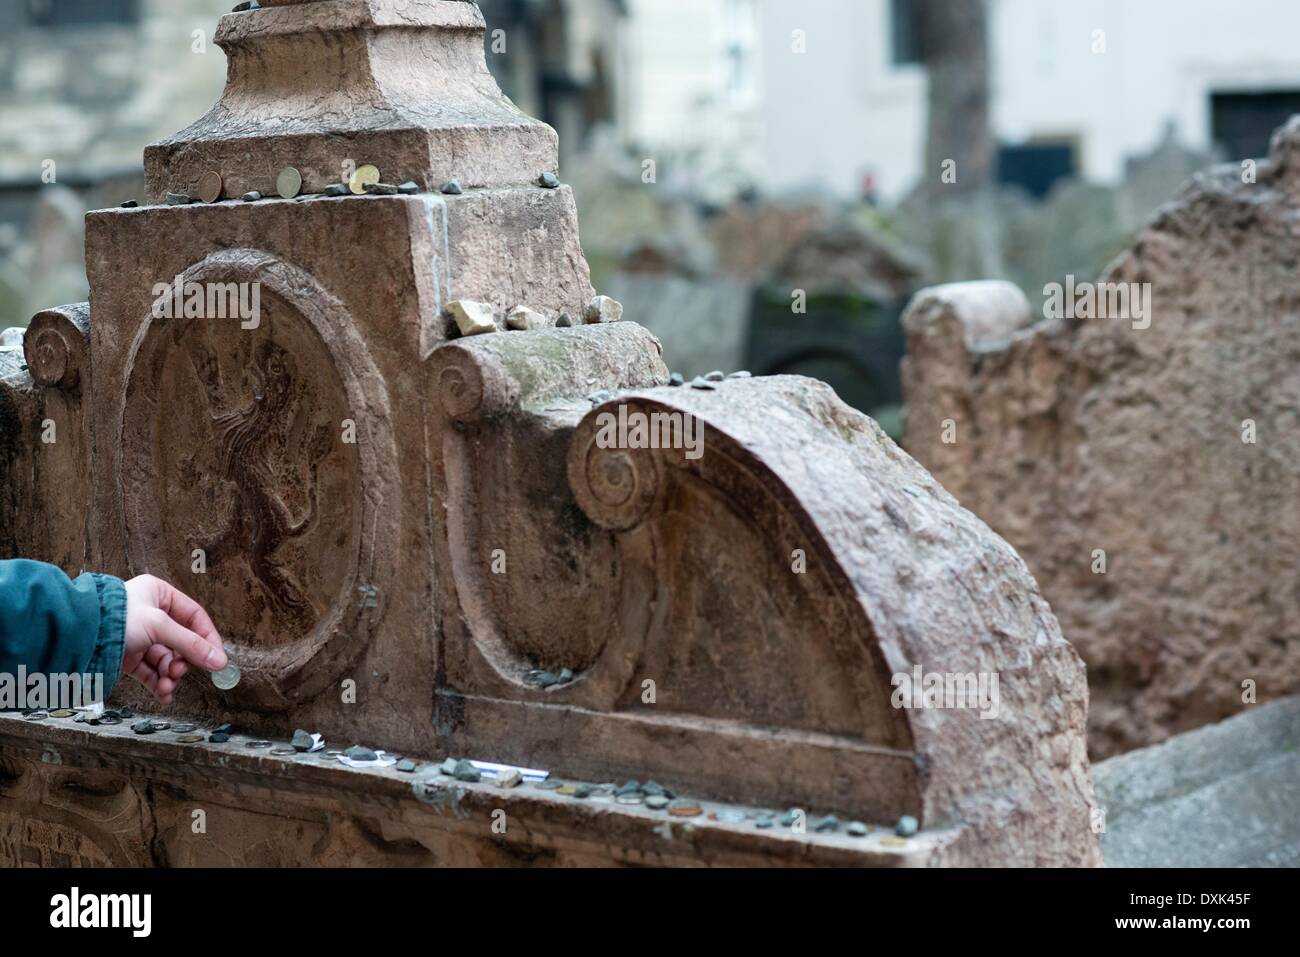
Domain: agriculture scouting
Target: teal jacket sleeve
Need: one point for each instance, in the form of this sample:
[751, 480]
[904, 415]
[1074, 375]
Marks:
[51, 624]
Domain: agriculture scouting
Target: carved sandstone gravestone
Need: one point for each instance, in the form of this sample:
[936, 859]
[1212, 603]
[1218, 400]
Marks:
[1172, 448]
[377, 510]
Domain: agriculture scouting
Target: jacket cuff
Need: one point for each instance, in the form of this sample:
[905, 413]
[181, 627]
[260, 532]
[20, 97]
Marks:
[110, 643]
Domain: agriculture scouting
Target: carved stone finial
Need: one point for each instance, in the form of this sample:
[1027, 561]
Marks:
[327, 85]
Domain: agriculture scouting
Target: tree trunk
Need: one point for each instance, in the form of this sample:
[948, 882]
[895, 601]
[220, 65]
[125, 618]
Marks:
[953, 37]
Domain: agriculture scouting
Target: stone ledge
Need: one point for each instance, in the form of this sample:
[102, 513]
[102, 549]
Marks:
[451, 822]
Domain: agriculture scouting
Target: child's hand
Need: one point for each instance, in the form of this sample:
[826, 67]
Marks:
[166, 632]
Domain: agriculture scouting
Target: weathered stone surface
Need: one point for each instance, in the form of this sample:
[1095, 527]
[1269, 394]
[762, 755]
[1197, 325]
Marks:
[1220, 796]
[1075, 436]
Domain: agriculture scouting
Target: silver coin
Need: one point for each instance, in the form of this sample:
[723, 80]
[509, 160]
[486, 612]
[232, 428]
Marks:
[227, 677]
[258, 744]
[630, 798]
[289, 183]
[184, 728]
[280, 752]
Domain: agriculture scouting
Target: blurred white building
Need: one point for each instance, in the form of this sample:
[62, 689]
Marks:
[826, 94]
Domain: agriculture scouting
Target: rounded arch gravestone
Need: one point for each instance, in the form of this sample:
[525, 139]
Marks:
[255, 462]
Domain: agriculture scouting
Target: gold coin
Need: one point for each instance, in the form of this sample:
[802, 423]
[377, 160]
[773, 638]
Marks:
[289, 183]
[893, 842]
[685, 810]
[62, 713]
[190, 738]
[364, 174]
[210, 186]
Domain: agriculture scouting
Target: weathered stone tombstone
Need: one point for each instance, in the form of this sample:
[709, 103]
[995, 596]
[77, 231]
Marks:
[417, 540]
[1144, 465]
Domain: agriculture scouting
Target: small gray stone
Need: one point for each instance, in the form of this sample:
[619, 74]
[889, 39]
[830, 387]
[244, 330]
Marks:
[408, 188]
[178, 199]
[565, 321]
[765, 821]
[451, 188]
[857, 829]
[219, 737]
[676, 379]
[742, 374]
[130, 204]
[548, 181]
[566, 675]
[716, 376]
[584, 790]
[603, 309]
[466, 772]
[546, 679]
[630, 787]
[302, 741]
[141, 727]
[336, 190]
[406, 766]
[358, 753]
[907, 826]
[827, 825]
[380, 189]
[522, 318]
[656, 802]
[448, 767]
[703, 384]
[790, 816]
[252, 196]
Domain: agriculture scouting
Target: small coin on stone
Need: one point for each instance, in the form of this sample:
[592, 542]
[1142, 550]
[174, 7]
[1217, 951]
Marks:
[289, 183]
[227, 677]
[210, 186]
[362, 176]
